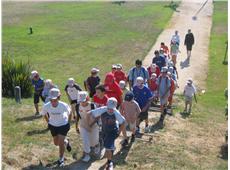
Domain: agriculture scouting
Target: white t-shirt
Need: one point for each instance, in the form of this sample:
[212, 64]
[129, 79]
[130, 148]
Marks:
[58, 116]
[189, 90]
[73, 91]
[99, 111]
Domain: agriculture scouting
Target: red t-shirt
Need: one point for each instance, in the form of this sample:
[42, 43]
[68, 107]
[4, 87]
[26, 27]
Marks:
[165, 48]
[153, 84]
[113, 90]
[100, 102]
[119, 75]
[151, 72]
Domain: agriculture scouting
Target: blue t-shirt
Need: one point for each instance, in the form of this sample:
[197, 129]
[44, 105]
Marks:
[164, 83]
[109, 122]
[142, 95]
[159, 61]
[38, 84]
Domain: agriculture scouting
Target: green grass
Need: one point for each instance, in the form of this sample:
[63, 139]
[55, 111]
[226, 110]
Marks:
[68, 40]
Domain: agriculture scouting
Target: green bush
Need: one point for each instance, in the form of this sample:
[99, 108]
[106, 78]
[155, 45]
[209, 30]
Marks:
[15, 74]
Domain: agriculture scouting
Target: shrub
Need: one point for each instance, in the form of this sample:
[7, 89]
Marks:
[15, 74]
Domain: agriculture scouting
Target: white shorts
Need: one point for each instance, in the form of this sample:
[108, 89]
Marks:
[131, 126]
[89, 139]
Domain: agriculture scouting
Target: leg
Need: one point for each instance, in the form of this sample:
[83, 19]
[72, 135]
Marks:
[73, 110]
[190, 107]
[55, 140]
[36, 107]
[36, 101]
[61, 144]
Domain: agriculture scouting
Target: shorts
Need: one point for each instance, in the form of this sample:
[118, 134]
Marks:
[188, 99]
[131, 126]
[109, 139]
[189, 47]
[143, 116]
[73, 102]
[60, 130]
[37, 95]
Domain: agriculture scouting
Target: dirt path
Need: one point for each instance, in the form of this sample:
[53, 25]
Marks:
[201, 28]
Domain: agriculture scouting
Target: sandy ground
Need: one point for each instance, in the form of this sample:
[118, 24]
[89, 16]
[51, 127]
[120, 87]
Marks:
[201, 28]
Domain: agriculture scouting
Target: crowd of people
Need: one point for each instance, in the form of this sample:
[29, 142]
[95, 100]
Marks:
[120, 101]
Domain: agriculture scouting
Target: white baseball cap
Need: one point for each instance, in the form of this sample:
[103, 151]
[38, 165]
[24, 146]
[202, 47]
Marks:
[112, 103]
[119, 66]
[189, 81]
[34, 73]
[164, 69]
[82, 96]
[154, 75]
[114, 66]
[94, 70]
[70, 81]
[54, 93]
[122, 84]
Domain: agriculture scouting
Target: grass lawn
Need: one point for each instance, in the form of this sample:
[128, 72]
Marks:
[68, 40]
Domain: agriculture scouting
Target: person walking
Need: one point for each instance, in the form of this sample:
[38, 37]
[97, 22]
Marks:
[189, 92]
[38, 84]
[137, 71]
[92, 81]
[58, 115]
[189, 42]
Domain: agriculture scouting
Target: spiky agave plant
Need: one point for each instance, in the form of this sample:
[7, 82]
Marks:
[15, 74]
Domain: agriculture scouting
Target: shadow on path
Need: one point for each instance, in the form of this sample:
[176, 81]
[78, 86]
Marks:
[185, 63]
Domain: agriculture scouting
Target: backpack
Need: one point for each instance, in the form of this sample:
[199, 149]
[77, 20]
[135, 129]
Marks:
[143, 71]
[77, 108]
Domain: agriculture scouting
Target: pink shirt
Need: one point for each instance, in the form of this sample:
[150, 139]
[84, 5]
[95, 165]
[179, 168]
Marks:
[130, 110]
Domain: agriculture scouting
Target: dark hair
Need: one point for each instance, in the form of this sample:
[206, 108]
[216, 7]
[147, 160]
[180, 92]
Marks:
[138, 62]
[100, 87]
[162, 43]
[156, 52]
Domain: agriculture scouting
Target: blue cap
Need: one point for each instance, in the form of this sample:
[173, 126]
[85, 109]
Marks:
[129, 96]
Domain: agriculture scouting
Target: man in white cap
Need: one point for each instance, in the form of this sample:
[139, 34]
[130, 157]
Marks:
[89, 133]
[144, 97]
[38, 84]
[57, 115]
[72, 89]
[92, 81]
[109, 117]
[189, 92]
[164, 85]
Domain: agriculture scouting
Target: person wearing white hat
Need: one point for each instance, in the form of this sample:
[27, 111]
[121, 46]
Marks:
[92, 81]
[89, 133]
[38, 84]
[174, 50]
[164, 85]
[48, 86]
[109, 117]
[153, 68]
[189, 92]
[144, 97]
[72, 89]
[123, 87]
[58, 115]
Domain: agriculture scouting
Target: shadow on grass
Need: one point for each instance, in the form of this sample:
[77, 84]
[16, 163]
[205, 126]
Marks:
[173, 6]
[119, 2]
[37, 132]
[224, 152]
[28, 118]
[40, 166]
[184, 115]
[185, 63]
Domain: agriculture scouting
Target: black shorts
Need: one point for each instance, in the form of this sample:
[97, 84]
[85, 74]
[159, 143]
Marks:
[37, 95]
[189, 47]
[73, 102]
[143, 116]
[60, 130]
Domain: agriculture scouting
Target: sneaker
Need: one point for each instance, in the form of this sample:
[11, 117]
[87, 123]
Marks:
[68, 146]
[132, 138]
[109, 166]
[86, 158]
[97, 149]
[60, 163]
[125, 143]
